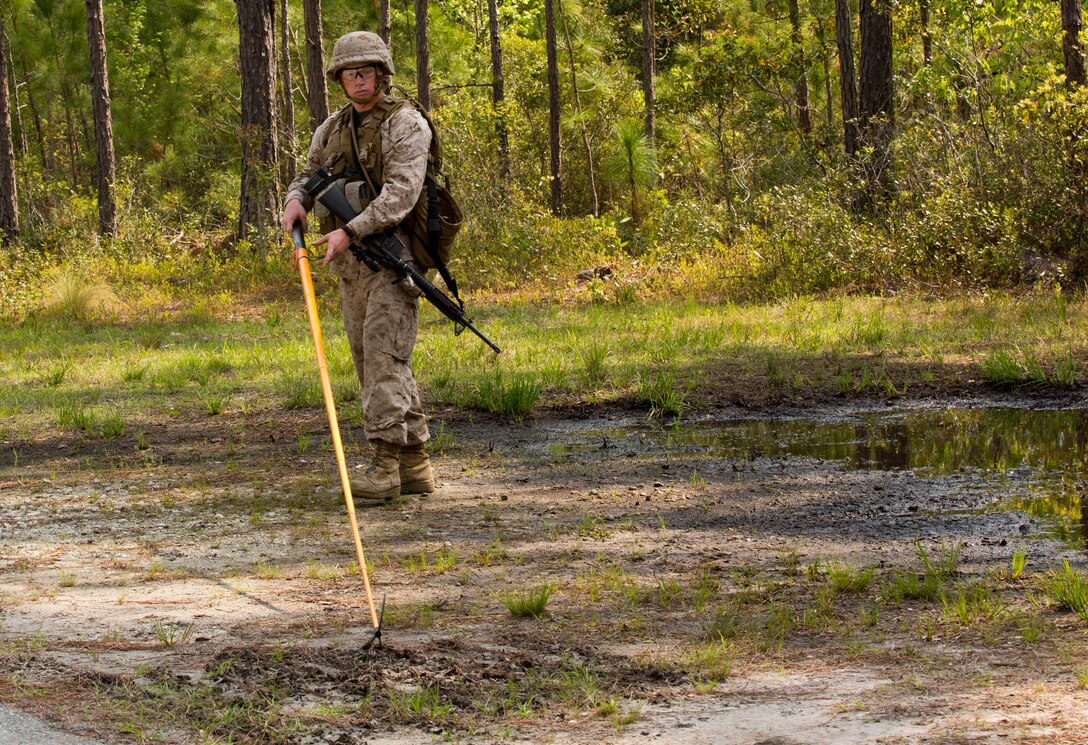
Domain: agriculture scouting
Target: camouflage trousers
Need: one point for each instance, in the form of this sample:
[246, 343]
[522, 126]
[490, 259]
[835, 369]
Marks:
[381, 316]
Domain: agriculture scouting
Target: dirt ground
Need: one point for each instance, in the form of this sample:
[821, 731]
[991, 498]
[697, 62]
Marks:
[198, 587]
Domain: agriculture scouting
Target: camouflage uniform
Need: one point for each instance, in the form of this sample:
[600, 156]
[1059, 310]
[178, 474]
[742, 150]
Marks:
[380, 312]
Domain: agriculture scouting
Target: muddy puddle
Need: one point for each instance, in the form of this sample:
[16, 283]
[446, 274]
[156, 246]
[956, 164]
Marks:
[1004, 459]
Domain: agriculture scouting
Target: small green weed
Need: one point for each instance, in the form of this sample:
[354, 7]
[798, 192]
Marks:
[55, 376]
[848, 579]
[514, 399]
[972, 604]
[299, 390]
[215, 401]
[591, 526]
[669, 594]
[1019, 561]
[134, 373]
[1032, 629]
[578, 686]
[790, 562]
[112, 425]
[697, 481]
[905, 585]
[945, 564]
[424, 703]
[594, 361]
[624, 719]
[156, 570]
[662, 393]
[1068, 588]
[709, 664]
[442, 561]
[442, 440]
[172, 634]
[528, 603]
[267, 571]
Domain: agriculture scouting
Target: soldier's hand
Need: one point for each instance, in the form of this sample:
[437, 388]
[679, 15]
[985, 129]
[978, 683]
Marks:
[292, 213]
[337, 242]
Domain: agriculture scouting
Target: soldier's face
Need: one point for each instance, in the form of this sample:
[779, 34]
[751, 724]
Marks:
[360, 83]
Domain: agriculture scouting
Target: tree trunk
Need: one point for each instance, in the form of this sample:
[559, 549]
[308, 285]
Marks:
[386, 21]
[287, 137]
[423, 56]
[927, 38]
[553, 106]
[258, 200]
[103, 120]
[844, 40]
[318, 95]
[9, 206]
[1071, 45]
[47, 164]
[14, 104]
[578, 107]
[498, 91]
[825, 59]
[804, 117]
[875, 110]
[66, 98]
[649, 66]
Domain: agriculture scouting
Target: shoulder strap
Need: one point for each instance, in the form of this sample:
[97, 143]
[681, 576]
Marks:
[371, 132]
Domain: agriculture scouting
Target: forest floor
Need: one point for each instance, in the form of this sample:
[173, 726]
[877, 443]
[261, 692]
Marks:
[198, 587]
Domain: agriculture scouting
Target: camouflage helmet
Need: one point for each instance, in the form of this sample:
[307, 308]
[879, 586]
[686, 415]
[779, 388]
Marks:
[356, 49]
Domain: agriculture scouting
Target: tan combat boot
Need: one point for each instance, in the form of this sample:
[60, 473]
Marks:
[416, 475]
[381, 480]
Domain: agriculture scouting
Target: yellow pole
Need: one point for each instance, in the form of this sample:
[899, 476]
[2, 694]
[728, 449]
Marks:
[303, 259]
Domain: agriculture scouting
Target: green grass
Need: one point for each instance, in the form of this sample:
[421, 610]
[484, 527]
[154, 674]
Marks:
[709, 664]
[971, 604]
[530, 603]
[172, 634]
[1015, 368]
[424, 704]
[944, 563]
[439, 562]
[511, 398]
[670, 358]
[662, 392]
[1068, 588]
[845, 578]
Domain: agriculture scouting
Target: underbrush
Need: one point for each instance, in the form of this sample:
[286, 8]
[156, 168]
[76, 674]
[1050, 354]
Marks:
[787, 241]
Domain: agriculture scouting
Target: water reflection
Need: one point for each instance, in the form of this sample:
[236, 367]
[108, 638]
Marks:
[1033, 459]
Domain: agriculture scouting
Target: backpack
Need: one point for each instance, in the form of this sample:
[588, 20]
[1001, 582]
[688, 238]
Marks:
[436, 218]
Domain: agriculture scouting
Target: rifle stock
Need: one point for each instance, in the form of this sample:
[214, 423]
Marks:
[383, 250]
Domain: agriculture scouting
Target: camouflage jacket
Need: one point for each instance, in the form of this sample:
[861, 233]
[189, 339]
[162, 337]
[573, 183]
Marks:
[401, 164]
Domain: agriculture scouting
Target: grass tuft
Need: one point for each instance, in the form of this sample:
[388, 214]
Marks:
[1068, 588]
[661, 392]
[70, 295]
[528, 603]
[514, 398]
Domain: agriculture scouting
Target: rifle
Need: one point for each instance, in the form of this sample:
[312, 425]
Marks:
[383, 250]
